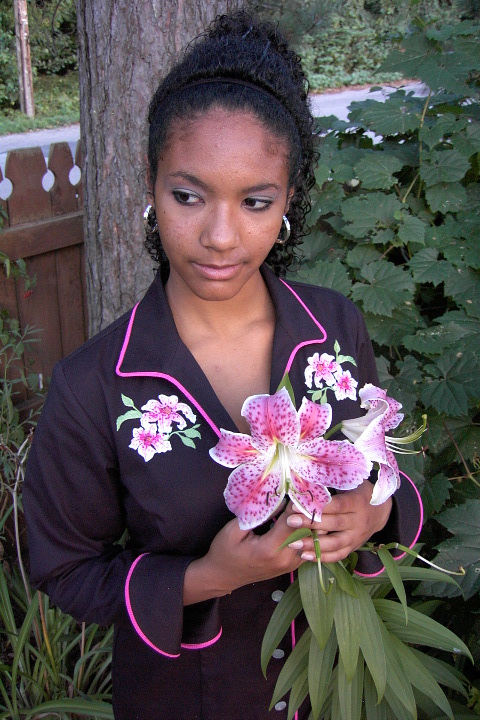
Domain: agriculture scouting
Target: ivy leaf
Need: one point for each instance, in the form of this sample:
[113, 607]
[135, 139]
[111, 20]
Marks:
[387, 289]
[396, 115]
[453, 381]
[426, 267]
[369, 212]
[375, 171]
[446, 197]
[328, 274]
[362, 255]
[464, 287]
[391, 330]
[435, 339]
[435, 493]
[443, 166]
[411, 230]
[461, 550]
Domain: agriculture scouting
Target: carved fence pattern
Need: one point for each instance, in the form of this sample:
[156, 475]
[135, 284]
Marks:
[45, 227]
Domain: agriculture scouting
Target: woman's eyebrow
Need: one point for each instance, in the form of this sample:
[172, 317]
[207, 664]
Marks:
[199, 183]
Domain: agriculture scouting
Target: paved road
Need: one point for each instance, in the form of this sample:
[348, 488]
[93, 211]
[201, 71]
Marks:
[332, 103]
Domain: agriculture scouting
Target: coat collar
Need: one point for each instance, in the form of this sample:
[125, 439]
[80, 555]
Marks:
[152, 346]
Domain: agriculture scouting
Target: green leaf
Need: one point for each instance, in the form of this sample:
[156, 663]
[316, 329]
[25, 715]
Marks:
[128, 401]
[328, 274]
[191, 432]
[461, 550]
[373, 710]
[344, 579]
[318, 605]
[420, 677]
[455, 382]
[388, 287]
[398, 114]
[411, 230]
[95, 709]
[282, 617]
[435, 339]
[295, 665]
[368, 212]
[464, 287]
[371, 642]
[435, 494]
[298, 694]
[320, 665]
[447, 166]
[375, 171]
[442, 672]
[129, 415]
[426, 267]
[285, 383]
[404, 320]
[421, 629]
[350, 692]
[186, 440]
[446, 197]
[391, 569]
[398, 690]
[348, 620]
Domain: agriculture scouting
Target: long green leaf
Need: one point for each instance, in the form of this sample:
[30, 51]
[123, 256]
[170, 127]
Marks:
[318, 605]
[348, 620]
[371, 641]
[420, 677]
[398, 690]
[298, 694]
[295, 665]
[442, 672]
[350, 693]
[95, 709]
[374, 710]
[23, 637]
[421, 629]
[320, 665]
[282, 617]
[394, 576]
[345, 581]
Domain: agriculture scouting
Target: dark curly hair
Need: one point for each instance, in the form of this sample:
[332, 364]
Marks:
[255, 55]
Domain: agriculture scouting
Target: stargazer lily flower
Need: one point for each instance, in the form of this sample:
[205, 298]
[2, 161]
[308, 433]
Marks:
[368, 434]
[285, 453]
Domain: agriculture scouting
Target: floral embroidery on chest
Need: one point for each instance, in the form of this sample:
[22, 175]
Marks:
[325, 372]
[160, 421]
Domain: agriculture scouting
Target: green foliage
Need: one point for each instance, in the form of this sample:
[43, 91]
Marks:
[397, 203]
[53, 44]
[49, 665]
[355, 660]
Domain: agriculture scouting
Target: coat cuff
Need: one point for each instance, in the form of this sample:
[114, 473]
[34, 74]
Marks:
[404, 526]
[154, 602]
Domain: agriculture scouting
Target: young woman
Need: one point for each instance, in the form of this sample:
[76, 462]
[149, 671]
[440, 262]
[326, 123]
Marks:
[124, 438]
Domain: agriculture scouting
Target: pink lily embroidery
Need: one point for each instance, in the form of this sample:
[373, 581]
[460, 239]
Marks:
[285, 453]
[368, 433]
[166, 410]
[321, 368]
[147, 441]
[346, 386]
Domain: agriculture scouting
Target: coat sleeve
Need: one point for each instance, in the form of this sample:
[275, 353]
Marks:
[405, 522]
[75, 520]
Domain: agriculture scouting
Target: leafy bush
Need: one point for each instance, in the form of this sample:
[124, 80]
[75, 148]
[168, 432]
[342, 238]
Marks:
[395, 221]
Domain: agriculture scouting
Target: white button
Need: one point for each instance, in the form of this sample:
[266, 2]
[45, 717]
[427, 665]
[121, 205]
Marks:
[277, 595]
[278, 653]
[281, 705]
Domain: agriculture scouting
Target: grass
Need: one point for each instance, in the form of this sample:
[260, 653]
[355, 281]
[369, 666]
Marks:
[56, 100]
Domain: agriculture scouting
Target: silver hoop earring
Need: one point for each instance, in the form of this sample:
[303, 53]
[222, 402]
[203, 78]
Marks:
[286, 235]
[150, 219]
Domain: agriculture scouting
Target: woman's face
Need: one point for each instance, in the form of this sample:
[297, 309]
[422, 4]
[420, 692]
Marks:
[220, 195]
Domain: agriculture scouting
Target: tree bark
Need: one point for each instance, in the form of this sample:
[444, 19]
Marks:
[25, 78]
[125, 48]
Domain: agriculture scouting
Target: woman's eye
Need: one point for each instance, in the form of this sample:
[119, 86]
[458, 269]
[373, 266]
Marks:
[185, 197]
[257, 203]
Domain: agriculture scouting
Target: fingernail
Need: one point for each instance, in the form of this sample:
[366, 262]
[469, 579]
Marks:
[297, 545]
[307, 556]
[294, 521]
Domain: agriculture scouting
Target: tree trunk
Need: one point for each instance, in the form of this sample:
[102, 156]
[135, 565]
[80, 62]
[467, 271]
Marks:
[125, 48]
[25, 79]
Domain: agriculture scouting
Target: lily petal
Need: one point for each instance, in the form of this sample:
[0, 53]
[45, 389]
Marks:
[233, 449]
[252, 495]
[331, 463]
[272, 417]
[388, 480]
[314, 419]
[309, 498]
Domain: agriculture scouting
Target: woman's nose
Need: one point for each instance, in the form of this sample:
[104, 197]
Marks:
[221, 228]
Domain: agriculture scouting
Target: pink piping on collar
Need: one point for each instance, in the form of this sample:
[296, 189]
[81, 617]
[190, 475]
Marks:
[399, 557]
[306, 342]
[164, 376]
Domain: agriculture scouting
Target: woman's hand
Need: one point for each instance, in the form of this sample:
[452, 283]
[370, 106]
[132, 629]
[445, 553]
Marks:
[348, 521]
[239, 557]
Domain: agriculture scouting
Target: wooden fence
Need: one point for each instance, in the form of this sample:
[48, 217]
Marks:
[45, 227]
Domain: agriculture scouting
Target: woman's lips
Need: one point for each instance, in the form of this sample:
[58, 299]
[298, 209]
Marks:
[218, 272]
